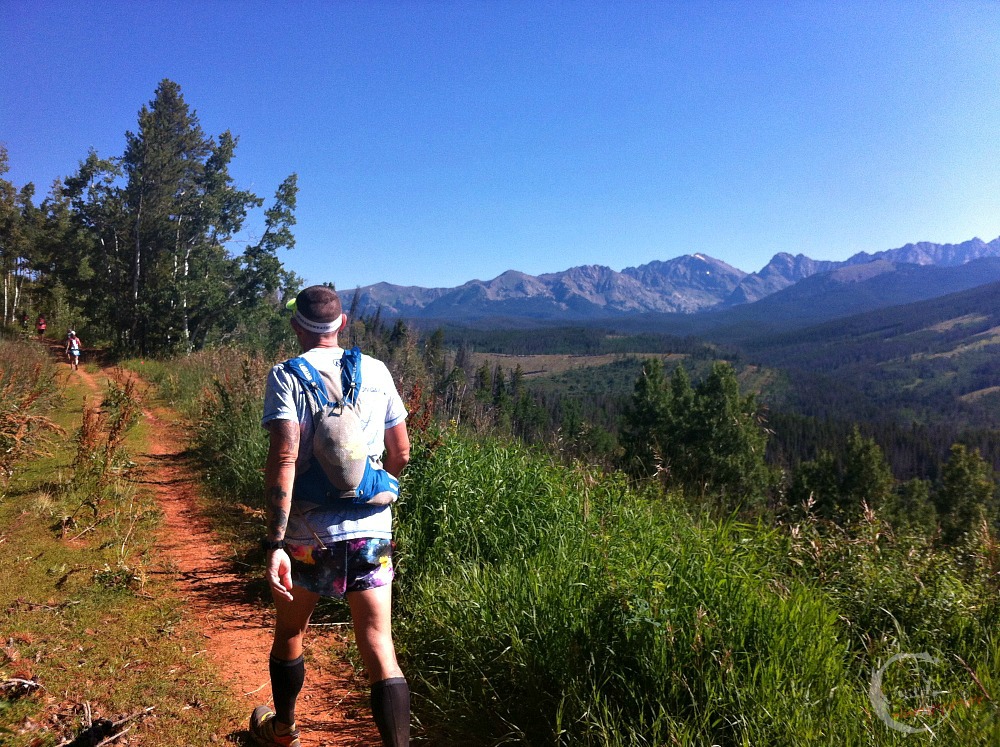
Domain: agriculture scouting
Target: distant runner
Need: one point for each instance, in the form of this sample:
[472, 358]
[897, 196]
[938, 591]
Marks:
[73, 346]
[40, 325]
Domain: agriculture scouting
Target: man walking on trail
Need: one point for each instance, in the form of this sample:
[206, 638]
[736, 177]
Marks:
[322, 546]
[73, 349]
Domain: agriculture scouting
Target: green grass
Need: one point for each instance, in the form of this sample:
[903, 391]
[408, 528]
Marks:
[85, 611]
[90, 633]
[544, 605]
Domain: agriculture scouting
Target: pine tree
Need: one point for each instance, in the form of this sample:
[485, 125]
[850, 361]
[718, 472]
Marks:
[180, 210]
[727, 442]
[92, 239]
[816, 483]
[965, 494]
[911, 508]
[483, 385]
[866, 477]
[708, 441]
[435, 359]
[645, 421]
[840, 490]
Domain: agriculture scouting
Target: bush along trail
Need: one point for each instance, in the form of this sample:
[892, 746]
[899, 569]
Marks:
[122, 619]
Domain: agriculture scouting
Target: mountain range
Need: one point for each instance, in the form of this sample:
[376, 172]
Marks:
[788, 286]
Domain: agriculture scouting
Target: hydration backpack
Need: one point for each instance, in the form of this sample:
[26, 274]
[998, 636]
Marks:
[339, 444]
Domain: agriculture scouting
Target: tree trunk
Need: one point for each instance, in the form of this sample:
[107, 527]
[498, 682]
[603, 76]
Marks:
[184, 300]
[136, 268]
[6, 283]
[18, 282]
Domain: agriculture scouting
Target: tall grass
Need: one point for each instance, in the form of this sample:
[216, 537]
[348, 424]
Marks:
[901, 591]
[27, 391]
[100, 453]
[231, 441]
[543, 605]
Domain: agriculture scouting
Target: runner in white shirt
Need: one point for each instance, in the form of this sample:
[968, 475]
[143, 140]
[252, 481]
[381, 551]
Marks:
[321, 546]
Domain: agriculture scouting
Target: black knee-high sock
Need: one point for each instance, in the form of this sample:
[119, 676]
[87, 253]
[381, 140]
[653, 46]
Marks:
[286, 682]
[391, 709]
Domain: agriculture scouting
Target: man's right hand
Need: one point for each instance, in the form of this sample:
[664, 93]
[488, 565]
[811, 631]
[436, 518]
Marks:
[279, 573]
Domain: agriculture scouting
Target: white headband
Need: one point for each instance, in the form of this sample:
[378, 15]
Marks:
[318, 328]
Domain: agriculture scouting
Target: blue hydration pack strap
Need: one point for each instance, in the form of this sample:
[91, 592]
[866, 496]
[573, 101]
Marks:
[309, 377]
[375, 481]
[350, 374]
[350, 377]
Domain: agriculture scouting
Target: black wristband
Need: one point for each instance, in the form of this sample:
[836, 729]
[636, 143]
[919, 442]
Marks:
[267, 545]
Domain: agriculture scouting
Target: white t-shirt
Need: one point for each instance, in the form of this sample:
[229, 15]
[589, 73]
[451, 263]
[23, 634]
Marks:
[381, 408]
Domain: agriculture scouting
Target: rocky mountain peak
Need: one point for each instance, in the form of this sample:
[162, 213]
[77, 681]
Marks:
[686, 284]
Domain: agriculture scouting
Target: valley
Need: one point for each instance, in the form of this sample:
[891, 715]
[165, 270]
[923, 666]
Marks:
[540, 366]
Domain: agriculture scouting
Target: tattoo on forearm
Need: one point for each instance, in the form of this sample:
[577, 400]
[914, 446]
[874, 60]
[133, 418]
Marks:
[277, 513]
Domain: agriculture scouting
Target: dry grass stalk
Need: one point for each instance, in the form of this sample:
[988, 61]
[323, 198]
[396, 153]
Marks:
[24, 434]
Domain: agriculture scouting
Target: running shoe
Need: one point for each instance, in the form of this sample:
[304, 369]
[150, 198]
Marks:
[262, 723]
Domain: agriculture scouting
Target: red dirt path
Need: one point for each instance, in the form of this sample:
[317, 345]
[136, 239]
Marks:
[333, 708]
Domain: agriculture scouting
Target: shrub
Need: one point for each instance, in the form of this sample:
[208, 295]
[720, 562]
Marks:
[229, 440]
[27, 391]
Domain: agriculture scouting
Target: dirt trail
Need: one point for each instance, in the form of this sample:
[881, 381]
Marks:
[333, 707]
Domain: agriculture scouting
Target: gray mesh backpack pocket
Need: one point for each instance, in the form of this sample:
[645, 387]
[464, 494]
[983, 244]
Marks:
[339, 444]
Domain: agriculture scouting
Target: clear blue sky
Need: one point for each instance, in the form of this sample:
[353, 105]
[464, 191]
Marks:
[437, 142]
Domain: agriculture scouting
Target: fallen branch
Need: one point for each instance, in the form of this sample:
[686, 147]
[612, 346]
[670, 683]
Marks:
[103, 731]
[113, 737]
[78, 536]
[16, 687]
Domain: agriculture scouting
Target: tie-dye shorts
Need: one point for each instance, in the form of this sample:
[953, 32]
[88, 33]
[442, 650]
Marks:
[340, 567]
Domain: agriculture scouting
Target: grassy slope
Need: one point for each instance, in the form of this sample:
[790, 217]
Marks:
[89, 616]
[542, 605]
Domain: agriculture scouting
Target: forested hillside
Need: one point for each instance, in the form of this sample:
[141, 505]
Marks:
[891, 395]
[934, 361]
